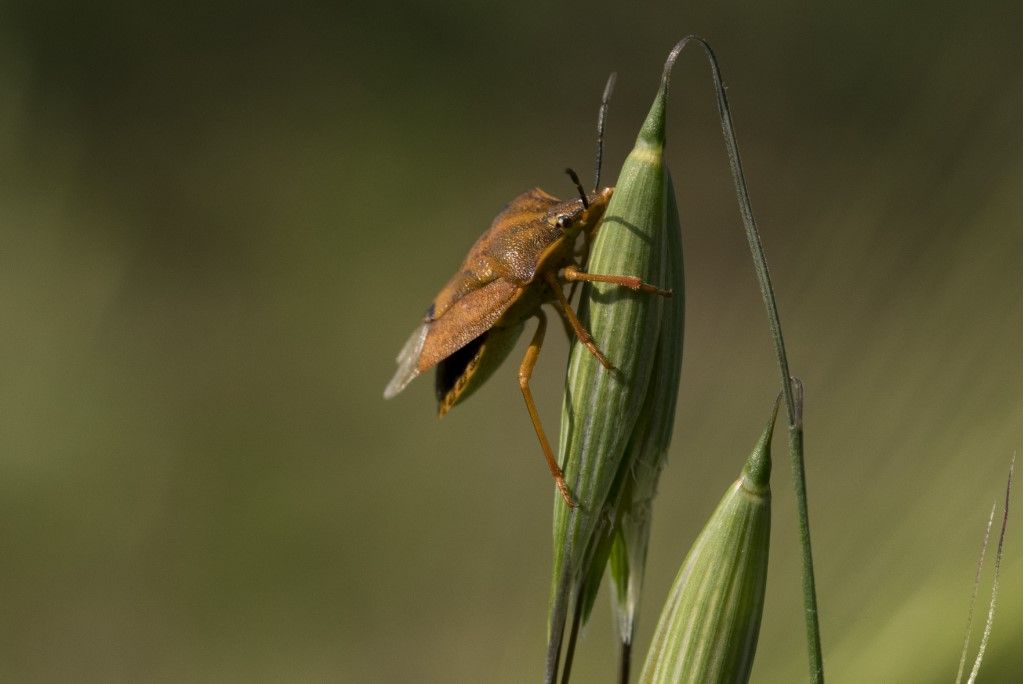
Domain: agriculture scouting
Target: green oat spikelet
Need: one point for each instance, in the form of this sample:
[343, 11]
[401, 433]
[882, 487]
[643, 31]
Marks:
[710, 622]
[610, 419]
[648, 449]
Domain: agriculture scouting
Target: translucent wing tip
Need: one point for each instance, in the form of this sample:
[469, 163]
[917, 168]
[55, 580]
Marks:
[408, 362]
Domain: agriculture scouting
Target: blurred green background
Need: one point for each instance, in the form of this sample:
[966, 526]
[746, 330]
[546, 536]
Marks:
[219, 224]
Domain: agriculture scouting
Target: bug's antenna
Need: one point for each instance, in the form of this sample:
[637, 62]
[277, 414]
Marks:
[601, 113]
[579, 186]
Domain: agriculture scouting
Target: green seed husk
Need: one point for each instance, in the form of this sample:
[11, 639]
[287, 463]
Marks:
[648, 450]
[710, 622]
[609, 418]
[625, 551]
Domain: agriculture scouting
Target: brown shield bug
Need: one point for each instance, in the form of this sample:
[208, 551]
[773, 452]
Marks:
[523, 261]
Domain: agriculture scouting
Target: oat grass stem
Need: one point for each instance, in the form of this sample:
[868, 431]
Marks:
[789, 387]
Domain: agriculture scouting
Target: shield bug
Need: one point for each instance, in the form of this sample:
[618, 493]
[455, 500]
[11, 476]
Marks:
[521, 262]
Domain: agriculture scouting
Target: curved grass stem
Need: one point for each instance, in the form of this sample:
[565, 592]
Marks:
[791, 389]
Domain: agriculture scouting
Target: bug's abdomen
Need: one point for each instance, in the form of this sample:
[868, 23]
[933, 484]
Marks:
[451, 369]
[459, 375]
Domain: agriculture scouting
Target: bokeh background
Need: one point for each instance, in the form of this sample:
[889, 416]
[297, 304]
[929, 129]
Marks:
[218, 224]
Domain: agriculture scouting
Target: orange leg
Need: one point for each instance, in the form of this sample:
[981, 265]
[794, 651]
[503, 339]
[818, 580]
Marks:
[572, 274]
[525, 371]
[570, 316]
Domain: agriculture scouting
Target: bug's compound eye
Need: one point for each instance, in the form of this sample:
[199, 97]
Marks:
[563, 221]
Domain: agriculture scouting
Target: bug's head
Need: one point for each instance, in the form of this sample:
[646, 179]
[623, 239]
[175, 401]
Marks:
[582, 213]
[576, 215]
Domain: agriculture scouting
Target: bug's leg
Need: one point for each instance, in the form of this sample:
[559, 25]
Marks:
[583, 256]
[525, 371]
[572, 274]
[570, 334]
[570, 317]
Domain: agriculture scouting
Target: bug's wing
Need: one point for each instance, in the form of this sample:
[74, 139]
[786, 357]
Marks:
[408, 362]
[466, 319]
